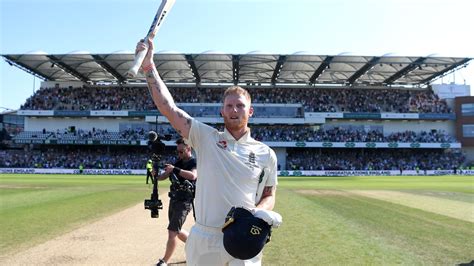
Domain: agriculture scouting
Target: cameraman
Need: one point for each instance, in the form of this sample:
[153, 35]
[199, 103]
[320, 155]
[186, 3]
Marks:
[183, 176]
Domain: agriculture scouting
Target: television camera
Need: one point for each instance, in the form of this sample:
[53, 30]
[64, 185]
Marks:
[181, 190]
[157, 148]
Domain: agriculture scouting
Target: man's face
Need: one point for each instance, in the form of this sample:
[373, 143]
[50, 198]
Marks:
[236, 111]
[183, 152]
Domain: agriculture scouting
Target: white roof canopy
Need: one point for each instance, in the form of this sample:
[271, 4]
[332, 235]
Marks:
[254, 68]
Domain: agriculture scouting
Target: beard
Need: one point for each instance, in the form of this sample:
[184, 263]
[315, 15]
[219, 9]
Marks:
[235, 124]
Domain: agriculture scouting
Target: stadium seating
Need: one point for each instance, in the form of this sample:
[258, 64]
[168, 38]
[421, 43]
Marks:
[72, 157]
[297, 159]
[313, 100]
[279, 133]
[205, 102]
[371, 159]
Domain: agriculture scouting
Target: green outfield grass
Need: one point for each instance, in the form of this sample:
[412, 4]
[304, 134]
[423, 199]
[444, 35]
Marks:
[35, 208]
[411, 220]
[374, 221]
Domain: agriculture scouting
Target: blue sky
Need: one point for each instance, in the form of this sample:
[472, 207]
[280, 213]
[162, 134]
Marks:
[362, 27]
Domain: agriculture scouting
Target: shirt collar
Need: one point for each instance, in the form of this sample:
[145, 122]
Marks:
[246, 137]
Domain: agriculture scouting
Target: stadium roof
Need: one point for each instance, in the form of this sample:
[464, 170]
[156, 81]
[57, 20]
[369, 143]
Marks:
[251, 68]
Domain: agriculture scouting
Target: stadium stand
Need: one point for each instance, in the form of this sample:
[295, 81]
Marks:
[383, 114]
[71, 157]
[266, 133]
[367, 159]
[321, 100]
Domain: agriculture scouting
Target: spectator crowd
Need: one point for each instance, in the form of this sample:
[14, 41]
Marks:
[73, 157]
[371, 159]
[341, 134]
[281, 133]
[313, 99]
[129, 134]
[297, 158]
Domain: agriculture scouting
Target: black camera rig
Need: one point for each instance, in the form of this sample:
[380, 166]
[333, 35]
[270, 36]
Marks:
[181, 190]
[157, 148]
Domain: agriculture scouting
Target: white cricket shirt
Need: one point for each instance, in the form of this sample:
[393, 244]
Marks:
[228, 171]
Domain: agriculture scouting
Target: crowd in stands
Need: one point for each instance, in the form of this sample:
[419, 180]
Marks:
[372, 159]
[297, 158]
[411, 136]
[72, 158]
[12, 130]
[282, 133]
[130, 134]
[313, 99]
[340, 134]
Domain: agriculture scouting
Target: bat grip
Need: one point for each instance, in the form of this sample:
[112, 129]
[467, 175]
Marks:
[132, 72]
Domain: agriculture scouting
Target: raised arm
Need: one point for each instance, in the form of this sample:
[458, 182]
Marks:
[179, 119]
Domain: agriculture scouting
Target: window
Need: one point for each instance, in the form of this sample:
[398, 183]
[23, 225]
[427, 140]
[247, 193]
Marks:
[468, 131]
[467, 109]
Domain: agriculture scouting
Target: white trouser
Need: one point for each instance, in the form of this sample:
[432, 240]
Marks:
[205, 246]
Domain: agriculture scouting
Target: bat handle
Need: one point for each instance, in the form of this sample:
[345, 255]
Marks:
[132, 72]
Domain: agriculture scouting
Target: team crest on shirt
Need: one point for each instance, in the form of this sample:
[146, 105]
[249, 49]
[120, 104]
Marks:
[222, 144]
[251, 161]
[252, 157]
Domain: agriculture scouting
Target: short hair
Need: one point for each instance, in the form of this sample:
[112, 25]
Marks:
[181, 141]
[237, 90]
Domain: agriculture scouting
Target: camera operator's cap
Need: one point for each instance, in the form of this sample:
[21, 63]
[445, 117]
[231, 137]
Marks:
[244, 234]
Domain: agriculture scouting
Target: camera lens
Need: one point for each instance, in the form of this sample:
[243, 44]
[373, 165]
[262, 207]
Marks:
[152, 136]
